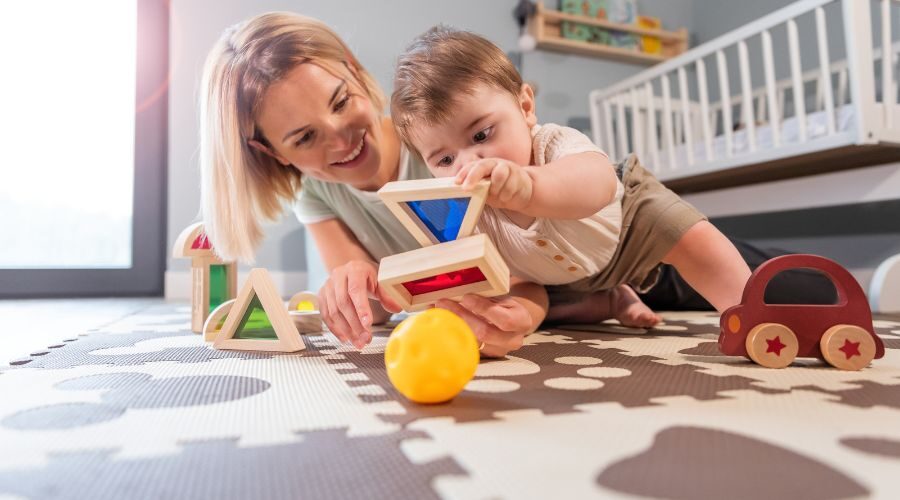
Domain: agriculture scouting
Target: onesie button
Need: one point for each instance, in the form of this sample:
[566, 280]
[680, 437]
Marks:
[558, 257]
[541, 243]
[573, 268]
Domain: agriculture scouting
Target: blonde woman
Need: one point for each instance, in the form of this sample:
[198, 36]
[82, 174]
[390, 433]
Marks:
[289, 116]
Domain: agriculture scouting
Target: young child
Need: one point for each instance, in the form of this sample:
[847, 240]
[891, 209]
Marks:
[558, 211]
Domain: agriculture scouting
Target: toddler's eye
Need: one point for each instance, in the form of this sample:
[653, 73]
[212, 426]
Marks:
[482, 135]
[446, 161]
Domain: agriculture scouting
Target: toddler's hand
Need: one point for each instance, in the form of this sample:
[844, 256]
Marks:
[511, 186]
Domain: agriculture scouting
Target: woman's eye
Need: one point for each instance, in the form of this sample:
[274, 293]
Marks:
[445, 161]
[342, 103]
[482, 135]
[304, 139]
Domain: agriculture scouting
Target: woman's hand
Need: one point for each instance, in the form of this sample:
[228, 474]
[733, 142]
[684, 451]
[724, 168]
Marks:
[344, 301]
[502, 323]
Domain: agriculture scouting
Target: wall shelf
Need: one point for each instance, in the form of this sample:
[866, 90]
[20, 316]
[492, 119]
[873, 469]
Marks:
[546, 27]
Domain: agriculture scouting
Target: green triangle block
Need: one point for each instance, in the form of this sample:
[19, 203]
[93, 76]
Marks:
[255, 323]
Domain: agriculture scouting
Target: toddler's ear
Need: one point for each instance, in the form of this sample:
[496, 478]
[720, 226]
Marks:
[526, 103]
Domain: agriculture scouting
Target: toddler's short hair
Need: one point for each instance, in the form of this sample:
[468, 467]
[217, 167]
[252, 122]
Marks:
[437, 67]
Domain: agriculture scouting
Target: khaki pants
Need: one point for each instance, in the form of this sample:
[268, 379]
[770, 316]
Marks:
[653, 220]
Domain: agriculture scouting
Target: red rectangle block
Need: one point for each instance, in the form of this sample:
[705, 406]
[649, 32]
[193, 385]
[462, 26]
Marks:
[444, 281]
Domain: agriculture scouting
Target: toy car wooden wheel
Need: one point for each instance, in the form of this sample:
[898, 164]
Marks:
[772, 345]
[847, 347]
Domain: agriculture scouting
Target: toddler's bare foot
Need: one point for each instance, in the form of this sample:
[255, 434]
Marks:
[628, 308]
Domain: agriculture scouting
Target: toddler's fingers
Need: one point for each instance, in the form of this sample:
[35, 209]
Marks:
[499, 179]
[478, 171]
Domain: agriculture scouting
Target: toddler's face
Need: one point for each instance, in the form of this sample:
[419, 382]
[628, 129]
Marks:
[486, 123]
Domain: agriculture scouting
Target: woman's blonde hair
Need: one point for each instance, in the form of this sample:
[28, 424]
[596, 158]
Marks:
[242, 187]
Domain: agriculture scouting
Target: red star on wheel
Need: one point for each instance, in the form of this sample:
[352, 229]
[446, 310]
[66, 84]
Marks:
[775, 346]
[850, 349]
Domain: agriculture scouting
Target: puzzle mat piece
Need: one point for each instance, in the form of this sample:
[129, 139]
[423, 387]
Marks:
[702, 352]
[324, 464]
[302, 393]
[128, 349]
[513, 456]
[553, 377]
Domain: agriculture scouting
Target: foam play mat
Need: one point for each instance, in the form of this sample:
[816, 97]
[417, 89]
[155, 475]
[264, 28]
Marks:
[143, 408]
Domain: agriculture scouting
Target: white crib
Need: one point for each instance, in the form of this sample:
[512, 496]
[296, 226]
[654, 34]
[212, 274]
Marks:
[840, 114]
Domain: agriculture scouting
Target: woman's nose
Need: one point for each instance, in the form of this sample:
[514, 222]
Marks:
[340, 135]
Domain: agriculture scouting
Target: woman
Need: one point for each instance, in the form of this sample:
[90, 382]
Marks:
[288, 109]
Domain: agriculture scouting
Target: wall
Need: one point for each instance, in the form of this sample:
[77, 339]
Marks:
[377, 32]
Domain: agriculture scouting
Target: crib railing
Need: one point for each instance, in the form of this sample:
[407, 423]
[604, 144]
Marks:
[664, 110]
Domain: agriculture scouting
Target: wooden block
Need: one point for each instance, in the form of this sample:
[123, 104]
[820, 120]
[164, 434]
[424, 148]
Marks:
[304, 301]
[192, 243]
[397, 196]
[468, 265]
[215, 320]
[307, 321]
[259, 285]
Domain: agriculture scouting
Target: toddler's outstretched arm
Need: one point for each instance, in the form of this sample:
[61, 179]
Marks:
[572, 187]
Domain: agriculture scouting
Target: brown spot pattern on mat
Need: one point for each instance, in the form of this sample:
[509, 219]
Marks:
[874, 446]
[647, 380]
[692, 462]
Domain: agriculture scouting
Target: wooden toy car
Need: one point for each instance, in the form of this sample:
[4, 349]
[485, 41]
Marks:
[773, 335]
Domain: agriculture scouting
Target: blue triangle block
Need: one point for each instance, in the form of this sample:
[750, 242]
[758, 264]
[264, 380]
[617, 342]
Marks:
[442, 217]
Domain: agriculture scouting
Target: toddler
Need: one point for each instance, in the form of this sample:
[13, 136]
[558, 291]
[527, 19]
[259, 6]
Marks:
[558, 211]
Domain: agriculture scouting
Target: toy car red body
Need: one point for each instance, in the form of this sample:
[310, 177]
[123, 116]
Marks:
[773, 335]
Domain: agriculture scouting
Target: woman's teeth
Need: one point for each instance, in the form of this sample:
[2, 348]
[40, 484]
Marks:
[353, 154]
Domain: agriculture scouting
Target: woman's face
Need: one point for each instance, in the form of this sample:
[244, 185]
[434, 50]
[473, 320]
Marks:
[324, 125]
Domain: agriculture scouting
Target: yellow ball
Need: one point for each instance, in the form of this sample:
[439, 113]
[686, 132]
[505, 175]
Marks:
[431, 356]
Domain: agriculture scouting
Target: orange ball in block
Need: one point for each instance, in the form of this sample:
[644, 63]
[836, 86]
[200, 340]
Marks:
[431, 356]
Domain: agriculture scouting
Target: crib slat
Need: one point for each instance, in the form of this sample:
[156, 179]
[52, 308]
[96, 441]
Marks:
[652, 141]
[842, 87]
[637, 138]
[771, 97]
[824, 64]
[686, 115]
[608, 125]
[746, 90]
[667, 121]
[725, 98]
[761, 108]
[704, 109]
[797, 79]
[888, 96]
[621, 127]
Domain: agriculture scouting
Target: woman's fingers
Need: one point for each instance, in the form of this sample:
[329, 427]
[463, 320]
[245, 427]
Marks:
[497, 342]
[347, 310]
[510, 319]
[331, 314]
